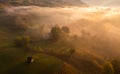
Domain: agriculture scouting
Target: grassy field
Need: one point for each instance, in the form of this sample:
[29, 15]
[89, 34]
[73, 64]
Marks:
[13, 61]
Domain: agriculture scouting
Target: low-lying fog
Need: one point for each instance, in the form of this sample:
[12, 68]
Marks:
[102, 22]
[106, 18]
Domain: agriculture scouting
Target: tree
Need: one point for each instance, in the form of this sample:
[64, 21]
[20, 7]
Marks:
[65, 29]
[41, 30]
[68, 53]
[108, 68]
[71, 52]
[55, 33]
[58, 33]
[23, 42]
[116, 66]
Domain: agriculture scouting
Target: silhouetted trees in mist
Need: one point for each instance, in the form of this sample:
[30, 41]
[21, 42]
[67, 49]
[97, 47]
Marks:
[58, 33]
[22, 42]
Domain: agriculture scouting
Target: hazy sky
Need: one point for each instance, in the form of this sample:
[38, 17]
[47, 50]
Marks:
[103, 2]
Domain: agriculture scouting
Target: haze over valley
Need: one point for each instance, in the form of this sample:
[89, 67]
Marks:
[62, 37]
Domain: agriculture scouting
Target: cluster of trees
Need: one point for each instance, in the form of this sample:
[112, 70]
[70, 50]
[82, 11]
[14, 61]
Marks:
[57, 33]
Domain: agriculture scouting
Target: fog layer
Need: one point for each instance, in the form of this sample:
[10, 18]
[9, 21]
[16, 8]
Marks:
[101, 22]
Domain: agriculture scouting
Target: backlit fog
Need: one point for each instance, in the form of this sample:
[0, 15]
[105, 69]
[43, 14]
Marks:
[100, 22]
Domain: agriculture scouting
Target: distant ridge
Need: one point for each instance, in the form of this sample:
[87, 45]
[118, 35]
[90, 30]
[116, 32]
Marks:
[45, 3]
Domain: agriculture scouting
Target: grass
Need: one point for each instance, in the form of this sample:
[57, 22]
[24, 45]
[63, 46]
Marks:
[14, 62]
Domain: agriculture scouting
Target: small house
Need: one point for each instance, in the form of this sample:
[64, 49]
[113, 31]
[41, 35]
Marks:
[30, 59]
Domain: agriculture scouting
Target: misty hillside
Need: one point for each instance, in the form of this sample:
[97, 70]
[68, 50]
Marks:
[60, 40]
[46, 3]
[52, 60]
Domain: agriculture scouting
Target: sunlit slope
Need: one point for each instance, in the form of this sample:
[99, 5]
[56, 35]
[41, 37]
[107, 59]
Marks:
[14, 62]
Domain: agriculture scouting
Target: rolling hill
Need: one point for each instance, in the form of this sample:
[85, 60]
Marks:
[13, 59]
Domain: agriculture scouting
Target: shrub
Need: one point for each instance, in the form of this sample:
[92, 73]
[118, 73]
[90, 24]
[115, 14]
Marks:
[65, 29]
[108, 68]
[23, 42]
[116, 66]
